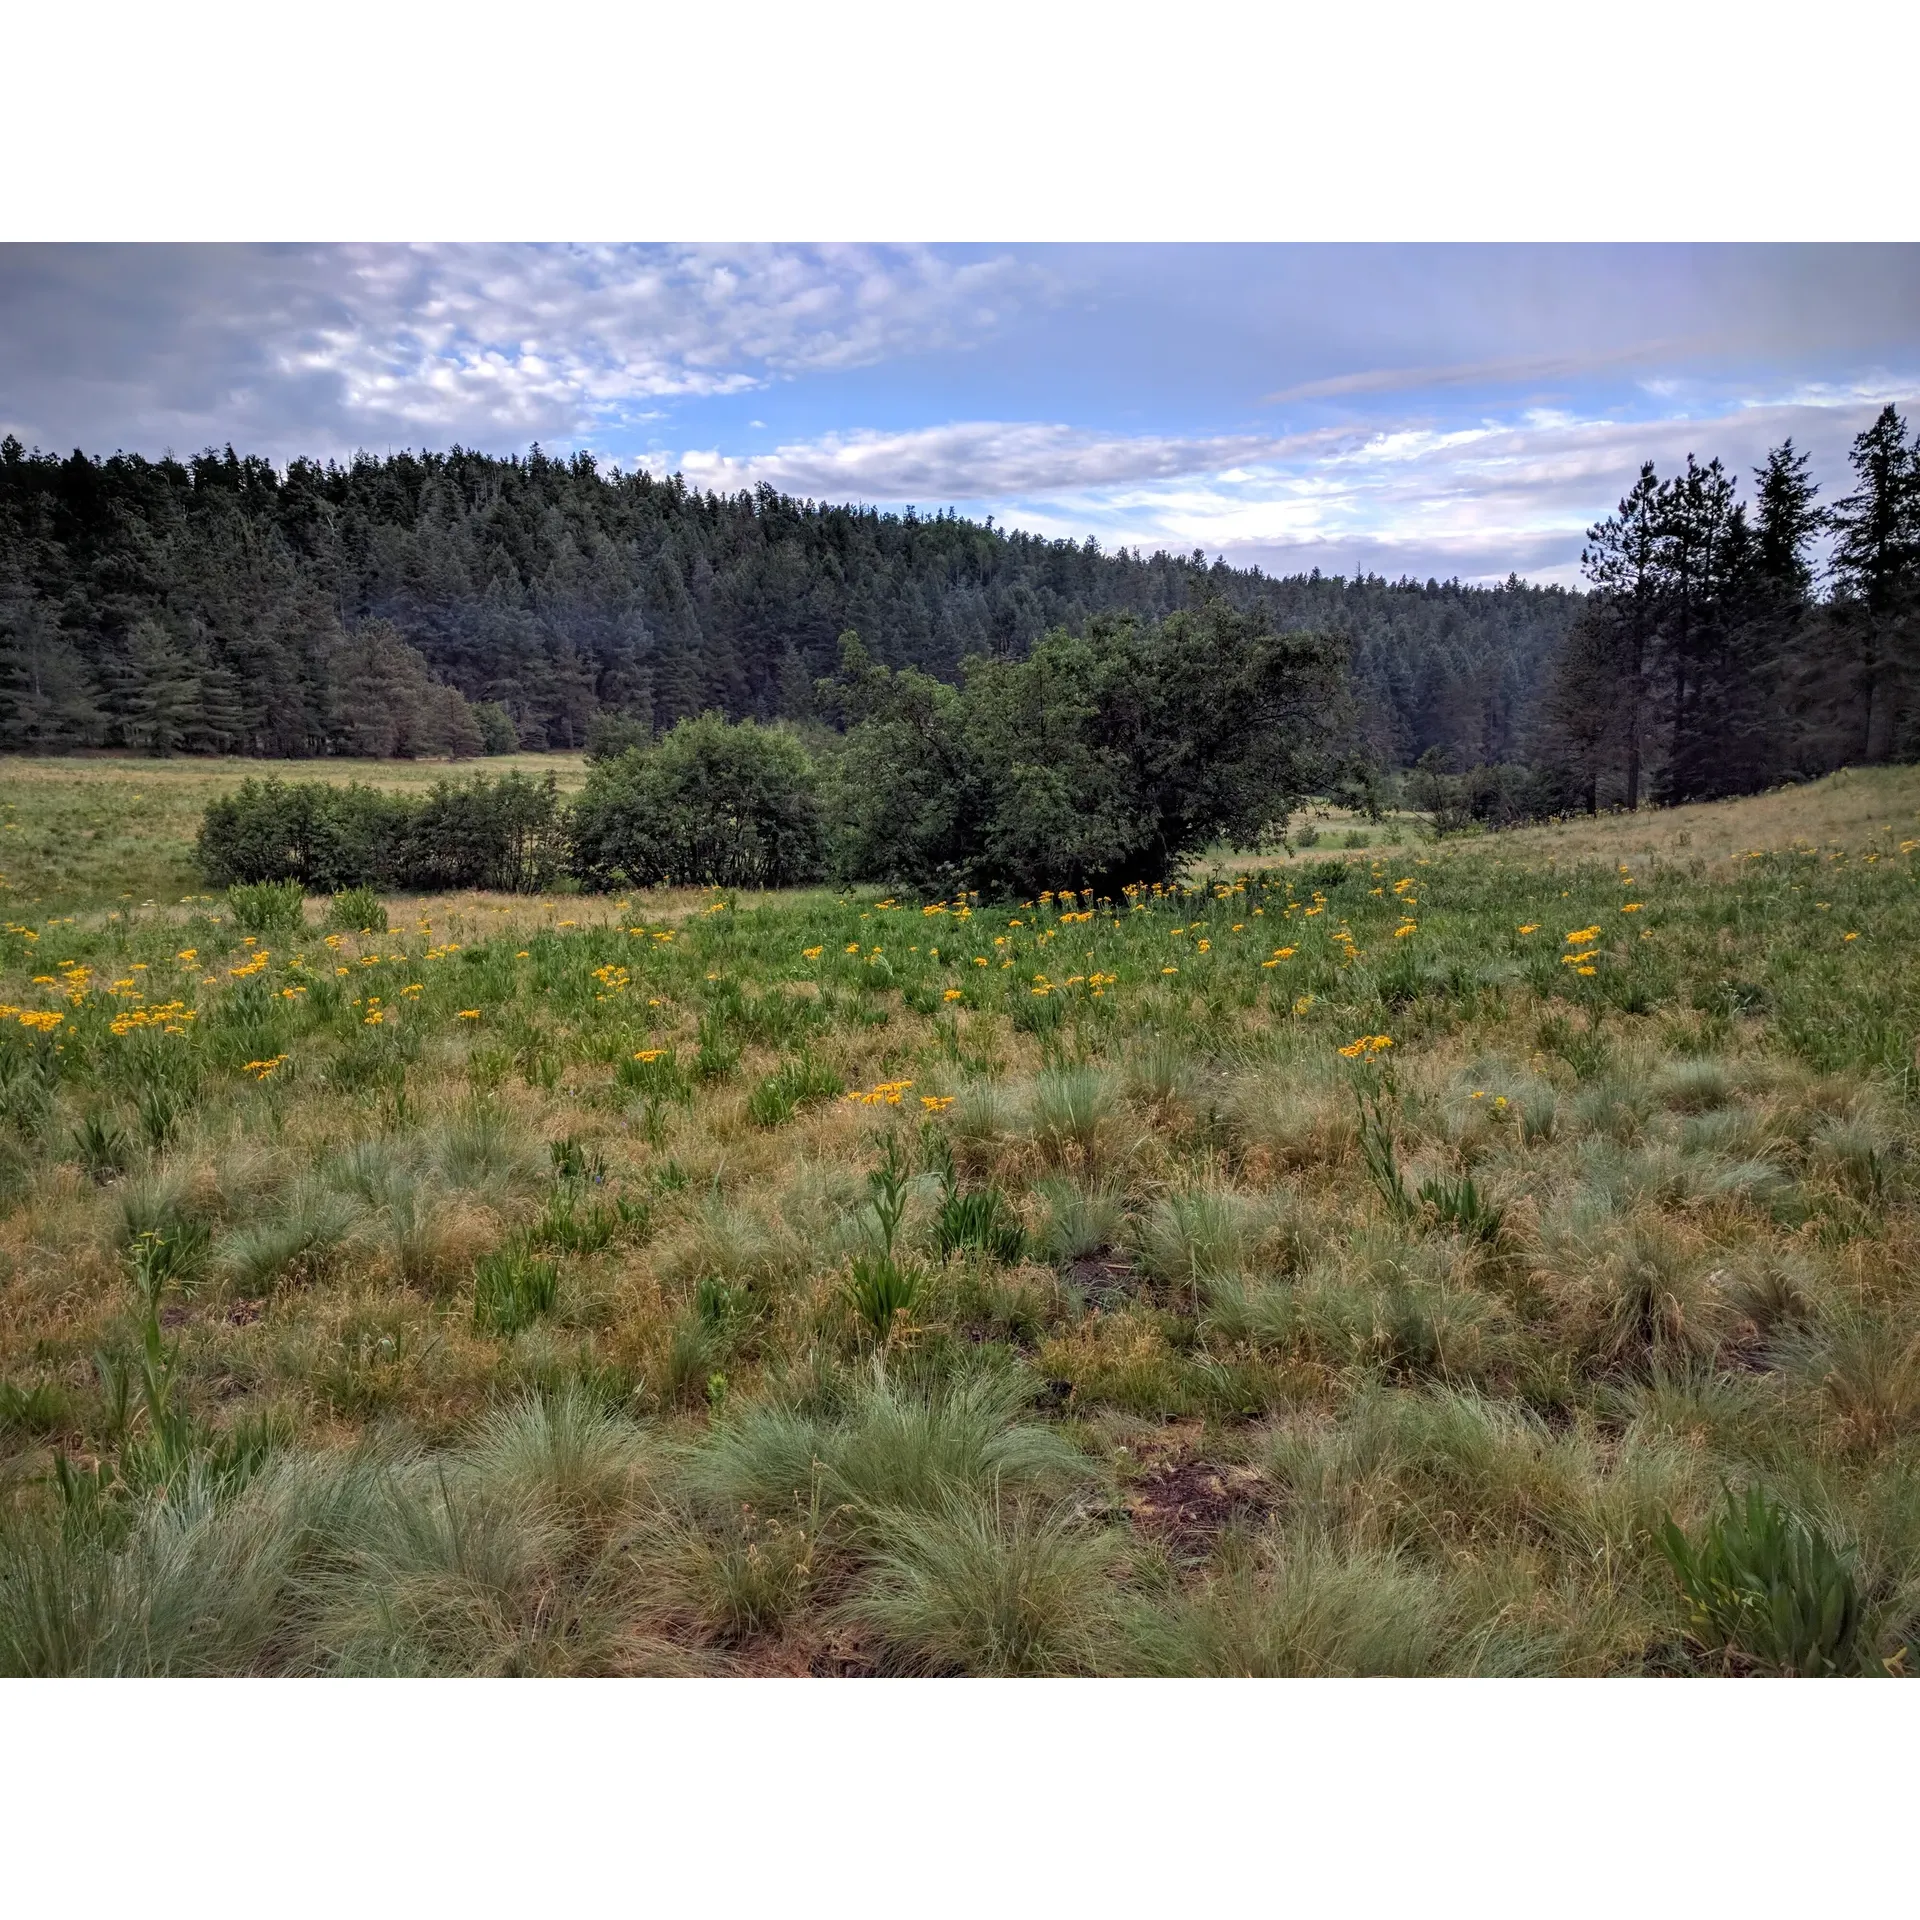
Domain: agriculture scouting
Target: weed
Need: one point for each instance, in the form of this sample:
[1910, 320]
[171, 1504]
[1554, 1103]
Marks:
[266, 906]
[1462, 1206]
[357, 910]
[881, 1292]
[799, 1082]
[512, 1288]
[1762, 1581]
[102, 1147]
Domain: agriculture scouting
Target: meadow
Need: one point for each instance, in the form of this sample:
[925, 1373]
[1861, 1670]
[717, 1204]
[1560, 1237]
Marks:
[1474, 1257]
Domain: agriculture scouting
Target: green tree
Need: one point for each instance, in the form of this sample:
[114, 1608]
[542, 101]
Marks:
[713, 804]
[1876, 555]
[1111, 756]
[1622, 560]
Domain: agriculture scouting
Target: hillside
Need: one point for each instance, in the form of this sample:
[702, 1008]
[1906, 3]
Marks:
[219, 605]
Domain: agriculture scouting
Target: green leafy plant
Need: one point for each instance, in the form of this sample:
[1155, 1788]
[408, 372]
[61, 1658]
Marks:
[1376, 1151]
[1461, 1205]
[1763, 1581]
[261, 907]
[102, 1147]
[357, 910]
[719, 1053]
[571, 1227]
[40, 1408]
[512, 1288]
[980, 1219]
[575, 1162]
[882, 1292]
[799, 1082]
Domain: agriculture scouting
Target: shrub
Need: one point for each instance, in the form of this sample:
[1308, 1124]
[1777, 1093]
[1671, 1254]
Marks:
[713, 804]
[357, 910]
[508, 834]
[265, 906]
[1765, 1582]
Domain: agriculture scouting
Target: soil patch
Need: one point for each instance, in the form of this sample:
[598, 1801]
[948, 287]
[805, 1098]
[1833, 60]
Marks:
[1104, 1277]
[1186, 1502]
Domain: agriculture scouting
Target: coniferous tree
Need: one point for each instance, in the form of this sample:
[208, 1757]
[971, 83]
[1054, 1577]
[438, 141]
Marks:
[1623, 561]
[1875, 557]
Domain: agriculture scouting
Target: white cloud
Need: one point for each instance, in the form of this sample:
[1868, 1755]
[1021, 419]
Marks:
[512, 338]
[974, 460]
[321, 349]
[1478, 500]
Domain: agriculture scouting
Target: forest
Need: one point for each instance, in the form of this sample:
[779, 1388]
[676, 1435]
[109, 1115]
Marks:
[434, 604]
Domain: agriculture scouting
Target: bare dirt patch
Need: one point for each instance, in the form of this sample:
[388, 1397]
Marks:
[1186, 1503]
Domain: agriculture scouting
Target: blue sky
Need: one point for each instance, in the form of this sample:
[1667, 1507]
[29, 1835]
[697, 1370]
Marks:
[1425, 409]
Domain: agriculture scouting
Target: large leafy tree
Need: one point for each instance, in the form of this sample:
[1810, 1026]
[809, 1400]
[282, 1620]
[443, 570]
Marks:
[1108, 757]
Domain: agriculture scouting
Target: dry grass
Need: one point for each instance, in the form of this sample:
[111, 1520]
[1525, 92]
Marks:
[1448, 1443]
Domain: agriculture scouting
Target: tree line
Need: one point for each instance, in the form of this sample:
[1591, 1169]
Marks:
[1708, 660]
[1103, 760]
[454, 603]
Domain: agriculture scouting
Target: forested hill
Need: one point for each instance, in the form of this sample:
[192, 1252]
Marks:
[418, 603]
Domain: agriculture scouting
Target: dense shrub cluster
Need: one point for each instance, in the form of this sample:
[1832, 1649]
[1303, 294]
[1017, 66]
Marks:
[508, 834]
[711, 805]
[1103, 760]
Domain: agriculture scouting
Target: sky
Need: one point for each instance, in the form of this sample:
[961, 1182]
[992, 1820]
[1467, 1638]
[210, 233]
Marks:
[1425, 410]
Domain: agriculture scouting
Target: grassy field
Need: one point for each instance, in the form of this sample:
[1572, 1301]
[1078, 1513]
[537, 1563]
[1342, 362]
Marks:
[1353, 1266]
[119, 832]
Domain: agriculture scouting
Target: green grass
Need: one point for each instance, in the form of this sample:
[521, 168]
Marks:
[108, 831]
[1352, 1266]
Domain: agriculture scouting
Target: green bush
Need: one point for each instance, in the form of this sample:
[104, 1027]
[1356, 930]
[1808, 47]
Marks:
[507, 834]
[357, 910]
[266, 906]
[712, 804]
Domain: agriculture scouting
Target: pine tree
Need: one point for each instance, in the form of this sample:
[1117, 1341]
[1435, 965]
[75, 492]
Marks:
[1623, 561]
[1876, 555]
[1786, 523]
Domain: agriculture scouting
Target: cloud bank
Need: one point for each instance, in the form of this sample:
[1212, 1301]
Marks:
[1405, 410]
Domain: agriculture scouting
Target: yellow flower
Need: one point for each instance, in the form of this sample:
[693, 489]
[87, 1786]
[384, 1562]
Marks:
[1630, 906]
[811, 953]
[650, 1054]
[468, 1013]
[852, 946]
[936, 1102]
[1367, 1043]
[953, 993]
[1169, 969]
[1845, 937]
[1532, 926]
